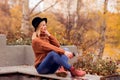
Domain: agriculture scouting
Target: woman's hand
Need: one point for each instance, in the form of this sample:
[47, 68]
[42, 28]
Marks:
[68, 54]
[46, 32]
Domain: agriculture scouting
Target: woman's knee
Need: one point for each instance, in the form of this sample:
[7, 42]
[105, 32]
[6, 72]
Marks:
[64, 57]
[52, 53]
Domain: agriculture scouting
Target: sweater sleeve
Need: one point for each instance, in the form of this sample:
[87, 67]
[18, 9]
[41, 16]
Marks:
[54, 41]
[47, 46]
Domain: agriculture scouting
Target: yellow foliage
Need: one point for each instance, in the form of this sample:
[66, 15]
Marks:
[11, 20]
[4, 22]
[91, 34]
[112, 52]
[112, 33]
[113, 28]
[16, 17]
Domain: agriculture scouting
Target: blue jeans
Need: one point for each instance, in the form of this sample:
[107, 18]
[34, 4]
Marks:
[52, 62]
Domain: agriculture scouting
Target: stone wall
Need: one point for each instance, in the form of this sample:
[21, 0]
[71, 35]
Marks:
[16, 55]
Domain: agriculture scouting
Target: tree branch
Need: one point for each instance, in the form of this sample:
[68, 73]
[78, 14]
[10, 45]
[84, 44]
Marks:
[36, 6]
[45, 9]
[92, 43]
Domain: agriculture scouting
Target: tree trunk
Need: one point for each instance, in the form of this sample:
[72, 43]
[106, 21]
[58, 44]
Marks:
[68, 27]
[79, 4]
[102, 41]
[77, 23]
[25, 26]
[103, 30]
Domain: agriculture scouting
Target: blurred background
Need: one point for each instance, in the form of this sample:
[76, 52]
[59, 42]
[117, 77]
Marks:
[91, 25]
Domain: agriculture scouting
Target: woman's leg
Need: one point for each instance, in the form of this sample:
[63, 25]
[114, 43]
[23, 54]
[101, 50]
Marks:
[52, 62]
[47, 64]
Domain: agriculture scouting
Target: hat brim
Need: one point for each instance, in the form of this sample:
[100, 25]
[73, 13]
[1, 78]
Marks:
[44, 19]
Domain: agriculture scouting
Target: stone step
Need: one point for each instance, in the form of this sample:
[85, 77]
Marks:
[29, 73]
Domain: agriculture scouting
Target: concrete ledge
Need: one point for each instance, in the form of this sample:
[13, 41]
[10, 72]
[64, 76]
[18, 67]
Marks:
[111, 77]
[27, 70]
[30, 72]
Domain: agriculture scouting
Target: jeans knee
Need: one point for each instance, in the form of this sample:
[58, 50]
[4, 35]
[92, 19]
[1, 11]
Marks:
[64, 57]
[52, 53]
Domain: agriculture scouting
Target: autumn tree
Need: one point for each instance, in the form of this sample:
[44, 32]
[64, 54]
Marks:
[113, 27]
[5, 16]
[25, 26]
[78, 26]
[103, 30]
[27, 14]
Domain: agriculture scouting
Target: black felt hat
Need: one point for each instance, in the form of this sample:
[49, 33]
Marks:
[37, 20]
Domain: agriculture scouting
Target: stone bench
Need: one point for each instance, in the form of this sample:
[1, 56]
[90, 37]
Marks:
[14, 67]
[15, 55]
[19, 55]
[14, 58]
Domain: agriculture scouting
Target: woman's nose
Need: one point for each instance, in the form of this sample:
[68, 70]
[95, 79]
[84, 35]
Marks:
[44, 27]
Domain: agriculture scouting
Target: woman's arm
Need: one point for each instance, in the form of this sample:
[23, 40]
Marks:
[42, 45]
[54, 41]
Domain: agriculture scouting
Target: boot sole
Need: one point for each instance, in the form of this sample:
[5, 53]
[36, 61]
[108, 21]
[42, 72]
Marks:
[61, 74]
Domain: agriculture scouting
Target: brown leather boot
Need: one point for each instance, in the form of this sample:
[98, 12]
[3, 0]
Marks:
[61, 72]
[78, 73]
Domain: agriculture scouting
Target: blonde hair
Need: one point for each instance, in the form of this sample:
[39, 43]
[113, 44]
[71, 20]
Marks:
[37, 34]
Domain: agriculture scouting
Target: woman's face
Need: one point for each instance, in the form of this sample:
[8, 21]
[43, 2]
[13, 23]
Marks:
[42, 26]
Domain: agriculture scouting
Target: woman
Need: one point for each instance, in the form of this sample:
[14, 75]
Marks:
[48, 54]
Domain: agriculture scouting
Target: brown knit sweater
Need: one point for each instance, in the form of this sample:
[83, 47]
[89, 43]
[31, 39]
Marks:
[43, 45]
